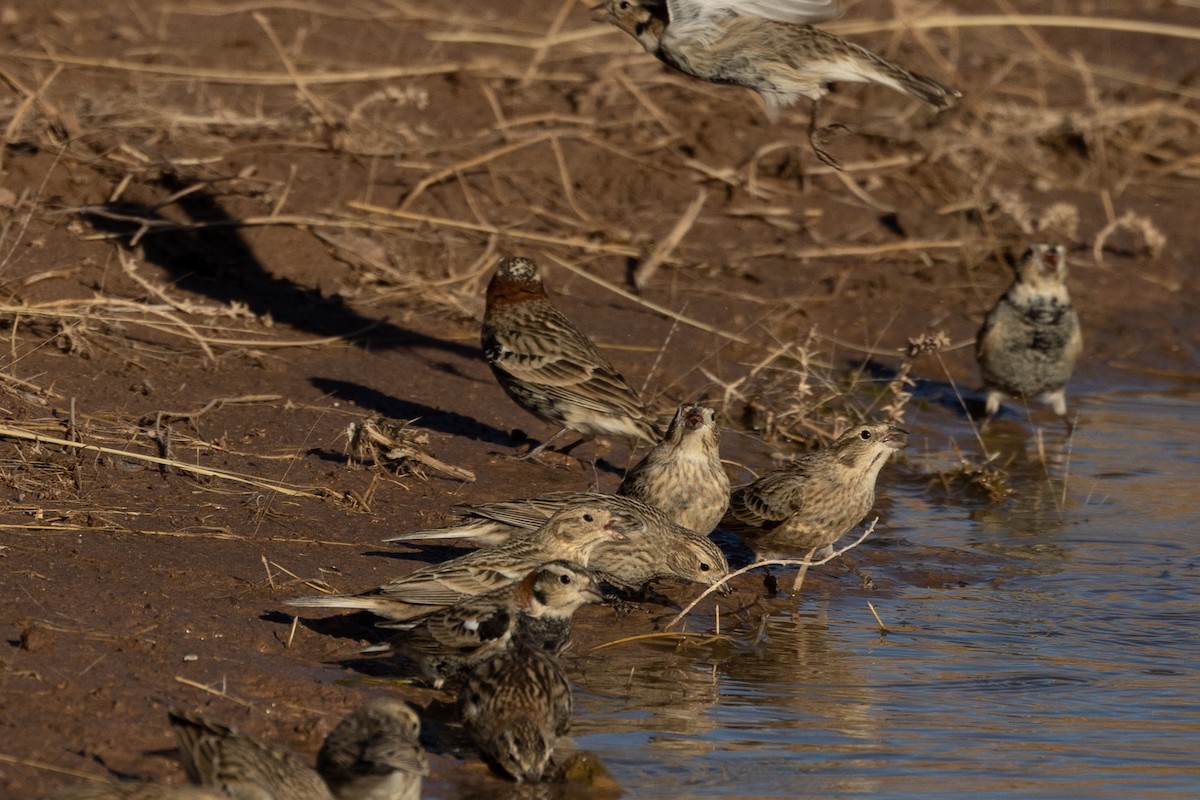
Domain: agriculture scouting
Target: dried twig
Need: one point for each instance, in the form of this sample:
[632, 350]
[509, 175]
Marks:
[733, 337]
[787, 562]
[645, 271]
[262, 483]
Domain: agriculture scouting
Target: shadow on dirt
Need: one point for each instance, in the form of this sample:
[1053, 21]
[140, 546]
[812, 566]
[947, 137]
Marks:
[434, 419]
[214, 260]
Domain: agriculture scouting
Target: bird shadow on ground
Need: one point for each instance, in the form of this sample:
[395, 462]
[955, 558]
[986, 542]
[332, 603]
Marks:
[434, 419]
[963, 403]
[357, 625]
[423, 553]
[213, 259]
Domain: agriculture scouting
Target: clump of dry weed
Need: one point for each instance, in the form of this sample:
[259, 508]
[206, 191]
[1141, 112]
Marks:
[389, 443]
[982, 479]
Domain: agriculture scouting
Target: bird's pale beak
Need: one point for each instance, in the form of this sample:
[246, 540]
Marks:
[602, 13]
[896, 438]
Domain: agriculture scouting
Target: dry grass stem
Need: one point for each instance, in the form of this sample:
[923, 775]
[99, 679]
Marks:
[573, 242]
[789, 562]
[645, 270]
[882, 628]
[27, 762]
[676, 636]
[327, 115]
[262, 483]
[221, 693]
[248, 78]
[633, 298]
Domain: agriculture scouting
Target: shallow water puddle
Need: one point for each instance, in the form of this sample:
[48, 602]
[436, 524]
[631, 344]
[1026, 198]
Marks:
[1066, 666]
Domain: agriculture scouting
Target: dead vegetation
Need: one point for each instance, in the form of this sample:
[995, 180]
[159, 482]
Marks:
[158, 181]
[472, 135]
[962, 188]
[567, 143]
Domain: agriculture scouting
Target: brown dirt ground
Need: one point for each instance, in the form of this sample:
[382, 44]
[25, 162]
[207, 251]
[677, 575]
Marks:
[199, 259]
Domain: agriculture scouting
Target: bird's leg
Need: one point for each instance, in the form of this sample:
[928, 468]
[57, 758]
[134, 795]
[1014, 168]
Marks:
[865, 581]
[769, 582]
[536, 452]
[817, 135]
[567, 450]
[803, 570]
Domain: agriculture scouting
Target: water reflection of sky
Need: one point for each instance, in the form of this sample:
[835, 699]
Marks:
[1069, 671]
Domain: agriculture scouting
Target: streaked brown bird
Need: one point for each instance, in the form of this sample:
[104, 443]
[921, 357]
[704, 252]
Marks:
[515, 705]
[218, 757]
[571, 534]
[536, 613]
[550, 368]
[1031, 339]
[682, 474]
[135, 791]
[767, 46]
[375, 753]
[807, 505]
[659, 548]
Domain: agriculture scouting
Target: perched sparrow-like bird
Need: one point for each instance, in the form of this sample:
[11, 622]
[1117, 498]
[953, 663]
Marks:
[375, 753]
[764, 46]
[571, 534]
[535, 612]
[515, 705]
[683, 475]
[807, 505]
[218, 757]
[1030, 341]
[659, 548]
[550, 368]
[135, 791]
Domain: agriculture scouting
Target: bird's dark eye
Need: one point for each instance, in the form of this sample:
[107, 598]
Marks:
[624, 4]
[704, 567]
[564, 579]
[864, 435]
[588, 518]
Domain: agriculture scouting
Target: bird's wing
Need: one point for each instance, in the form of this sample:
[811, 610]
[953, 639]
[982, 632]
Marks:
[554, 355]
[707, 12]
[446, 584]
[217, 756]
[463, 628]
[545, 340]
[394, 752]
[479, 531]
[772, 498]
[527, 515]
[530, 513]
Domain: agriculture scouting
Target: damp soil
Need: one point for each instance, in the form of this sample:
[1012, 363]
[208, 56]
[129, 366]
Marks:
[191, 270]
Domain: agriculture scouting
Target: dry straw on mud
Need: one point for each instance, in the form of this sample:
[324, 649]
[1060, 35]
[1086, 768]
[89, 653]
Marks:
[514, 182]
[965, 138]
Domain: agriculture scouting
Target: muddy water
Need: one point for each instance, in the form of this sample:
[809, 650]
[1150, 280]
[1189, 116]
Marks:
[1063, 664]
